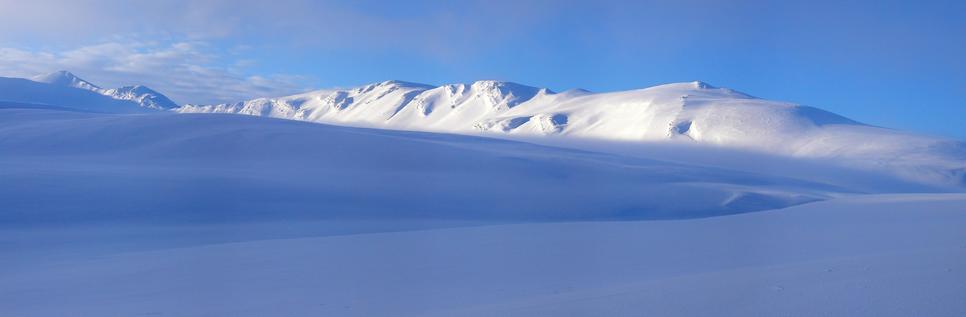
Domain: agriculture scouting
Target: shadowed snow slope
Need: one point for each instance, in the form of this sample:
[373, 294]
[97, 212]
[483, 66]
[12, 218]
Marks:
[674, 113]
[898, 255]
[66, 166]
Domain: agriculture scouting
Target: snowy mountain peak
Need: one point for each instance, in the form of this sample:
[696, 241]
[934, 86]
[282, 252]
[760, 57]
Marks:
[576, 92]
[503, 94]
[380, 88]
[685, 86]
[697, 88]
[701, 85]
[502, 85]
[405, 84]
[65, 78]
[143, 96]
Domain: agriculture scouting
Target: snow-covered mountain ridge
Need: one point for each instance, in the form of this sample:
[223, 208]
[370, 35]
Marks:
[692, 113]
[661, 112]
[143, 96]
[680, 113]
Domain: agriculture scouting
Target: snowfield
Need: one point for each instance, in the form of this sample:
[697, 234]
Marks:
[892, 255]
[486, 199]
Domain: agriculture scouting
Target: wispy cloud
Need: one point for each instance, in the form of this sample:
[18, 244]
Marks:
[188, 72]
[209, 51]
[423, 27]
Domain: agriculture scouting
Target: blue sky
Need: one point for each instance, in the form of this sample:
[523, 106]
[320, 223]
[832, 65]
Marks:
[891, 63]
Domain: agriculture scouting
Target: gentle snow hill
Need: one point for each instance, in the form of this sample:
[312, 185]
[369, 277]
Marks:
[685, 113]
[894, 255]
[143, 96]
[75, 166]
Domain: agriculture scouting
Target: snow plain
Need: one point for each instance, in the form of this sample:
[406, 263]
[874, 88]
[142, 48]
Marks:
[881, 255]
[112, 208]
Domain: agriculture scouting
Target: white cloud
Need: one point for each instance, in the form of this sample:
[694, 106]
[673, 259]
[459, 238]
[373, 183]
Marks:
[185, 71]
[39, 36]
[446, 28]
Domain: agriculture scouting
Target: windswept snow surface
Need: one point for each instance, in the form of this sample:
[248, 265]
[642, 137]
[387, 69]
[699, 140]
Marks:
[879, 255]
[679, 113]
[75, 166]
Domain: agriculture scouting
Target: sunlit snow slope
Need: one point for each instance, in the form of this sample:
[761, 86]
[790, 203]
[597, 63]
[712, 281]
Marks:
[686, 113]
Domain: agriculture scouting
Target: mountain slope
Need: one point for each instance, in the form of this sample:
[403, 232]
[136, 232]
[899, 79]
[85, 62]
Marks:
[682, 113]
[143, 96]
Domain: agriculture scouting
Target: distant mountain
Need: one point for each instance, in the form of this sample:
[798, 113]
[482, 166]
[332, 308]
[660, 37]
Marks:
[679, 113]
[20, 93]
[143, 96]
[65, 78]
[684, 111]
